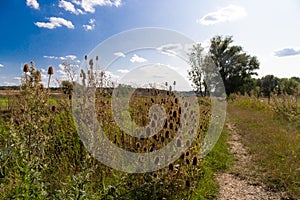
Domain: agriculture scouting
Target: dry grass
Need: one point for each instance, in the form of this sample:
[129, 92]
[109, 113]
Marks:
[274, 144]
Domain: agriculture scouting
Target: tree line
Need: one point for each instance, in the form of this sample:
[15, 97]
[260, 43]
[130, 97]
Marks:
[232, 65]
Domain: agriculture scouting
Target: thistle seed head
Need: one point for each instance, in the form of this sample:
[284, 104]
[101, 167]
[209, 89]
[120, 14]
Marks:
[50, 71]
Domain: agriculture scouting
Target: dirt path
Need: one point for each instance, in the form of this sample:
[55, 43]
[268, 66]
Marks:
[233, 186]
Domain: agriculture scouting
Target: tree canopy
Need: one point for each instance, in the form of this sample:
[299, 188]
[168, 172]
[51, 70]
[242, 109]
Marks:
[234, 65]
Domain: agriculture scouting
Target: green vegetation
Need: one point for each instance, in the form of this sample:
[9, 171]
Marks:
[219, 160]
[273, 141]
[42, 156]
[234, 65]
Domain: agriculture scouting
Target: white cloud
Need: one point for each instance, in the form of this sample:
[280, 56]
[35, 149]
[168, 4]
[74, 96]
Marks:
[123, 71]
[68, 57]
[68, 6]
[77, 2]
[90, 26]
[51, 57]
[55, 22]
[1, 65]
[229, 13]
[89, 5]
[287, 52]
[33, 4]
[119, 54]
[136, 58]
[71, 57]
[17, 78]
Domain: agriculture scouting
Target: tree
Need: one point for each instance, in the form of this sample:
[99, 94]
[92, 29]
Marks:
[67, 87]
[289, 86]
[235, 66]
[196, 73]
[204, 73]
[269, 85]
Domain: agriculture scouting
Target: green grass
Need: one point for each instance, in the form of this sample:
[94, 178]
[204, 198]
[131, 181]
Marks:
[274, 144]
[218, 160]
[3, 103]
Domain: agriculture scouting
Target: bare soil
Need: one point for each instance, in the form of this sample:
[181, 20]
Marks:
[232, 185]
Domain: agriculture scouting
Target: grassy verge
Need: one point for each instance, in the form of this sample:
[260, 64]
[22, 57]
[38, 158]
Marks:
[218, 160]
[274, 144]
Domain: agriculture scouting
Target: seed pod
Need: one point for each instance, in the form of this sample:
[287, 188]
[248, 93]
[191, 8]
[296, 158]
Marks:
[91, 63]
[138, 145]
[42, 87]
[38, 76]
[171, 167]
[178, 143]
[187, 183]
[187, 153]
[50, 70]
[182, 156]
[26, 68]
[156, 160]
[187, 161]
[53, 108]
[188, 143]
[151, 149]
[162, 139]
[195, 161]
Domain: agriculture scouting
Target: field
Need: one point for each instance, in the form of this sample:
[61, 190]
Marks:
[44, 157]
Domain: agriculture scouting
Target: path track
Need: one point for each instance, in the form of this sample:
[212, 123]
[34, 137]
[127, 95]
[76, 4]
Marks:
[233, 186]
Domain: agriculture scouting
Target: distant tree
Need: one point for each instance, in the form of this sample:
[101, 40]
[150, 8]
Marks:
[67, 87]
[235, 66]
[269, 85]
[203, 73]
[296, 79]
[196, 74]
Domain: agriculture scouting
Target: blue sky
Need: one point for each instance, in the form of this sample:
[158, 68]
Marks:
[48, 32]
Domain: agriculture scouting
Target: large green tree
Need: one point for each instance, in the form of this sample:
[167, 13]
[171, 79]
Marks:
[235, 66]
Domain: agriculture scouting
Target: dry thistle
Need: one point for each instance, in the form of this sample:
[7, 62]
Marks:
[187, 161]
[178, 143]
[138, 145]
[156, 160]
[187, 153]
[187, 183]
[38, 77]
[91, 63]
[195, 161]
[26, 68]
[50, 73]
[171, 167]
[53, 108]
[50, 70]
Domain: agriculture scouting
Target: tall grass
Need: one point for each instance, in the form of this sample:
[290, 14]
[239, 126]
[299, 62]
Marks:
[274, 143]
[42, 156]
